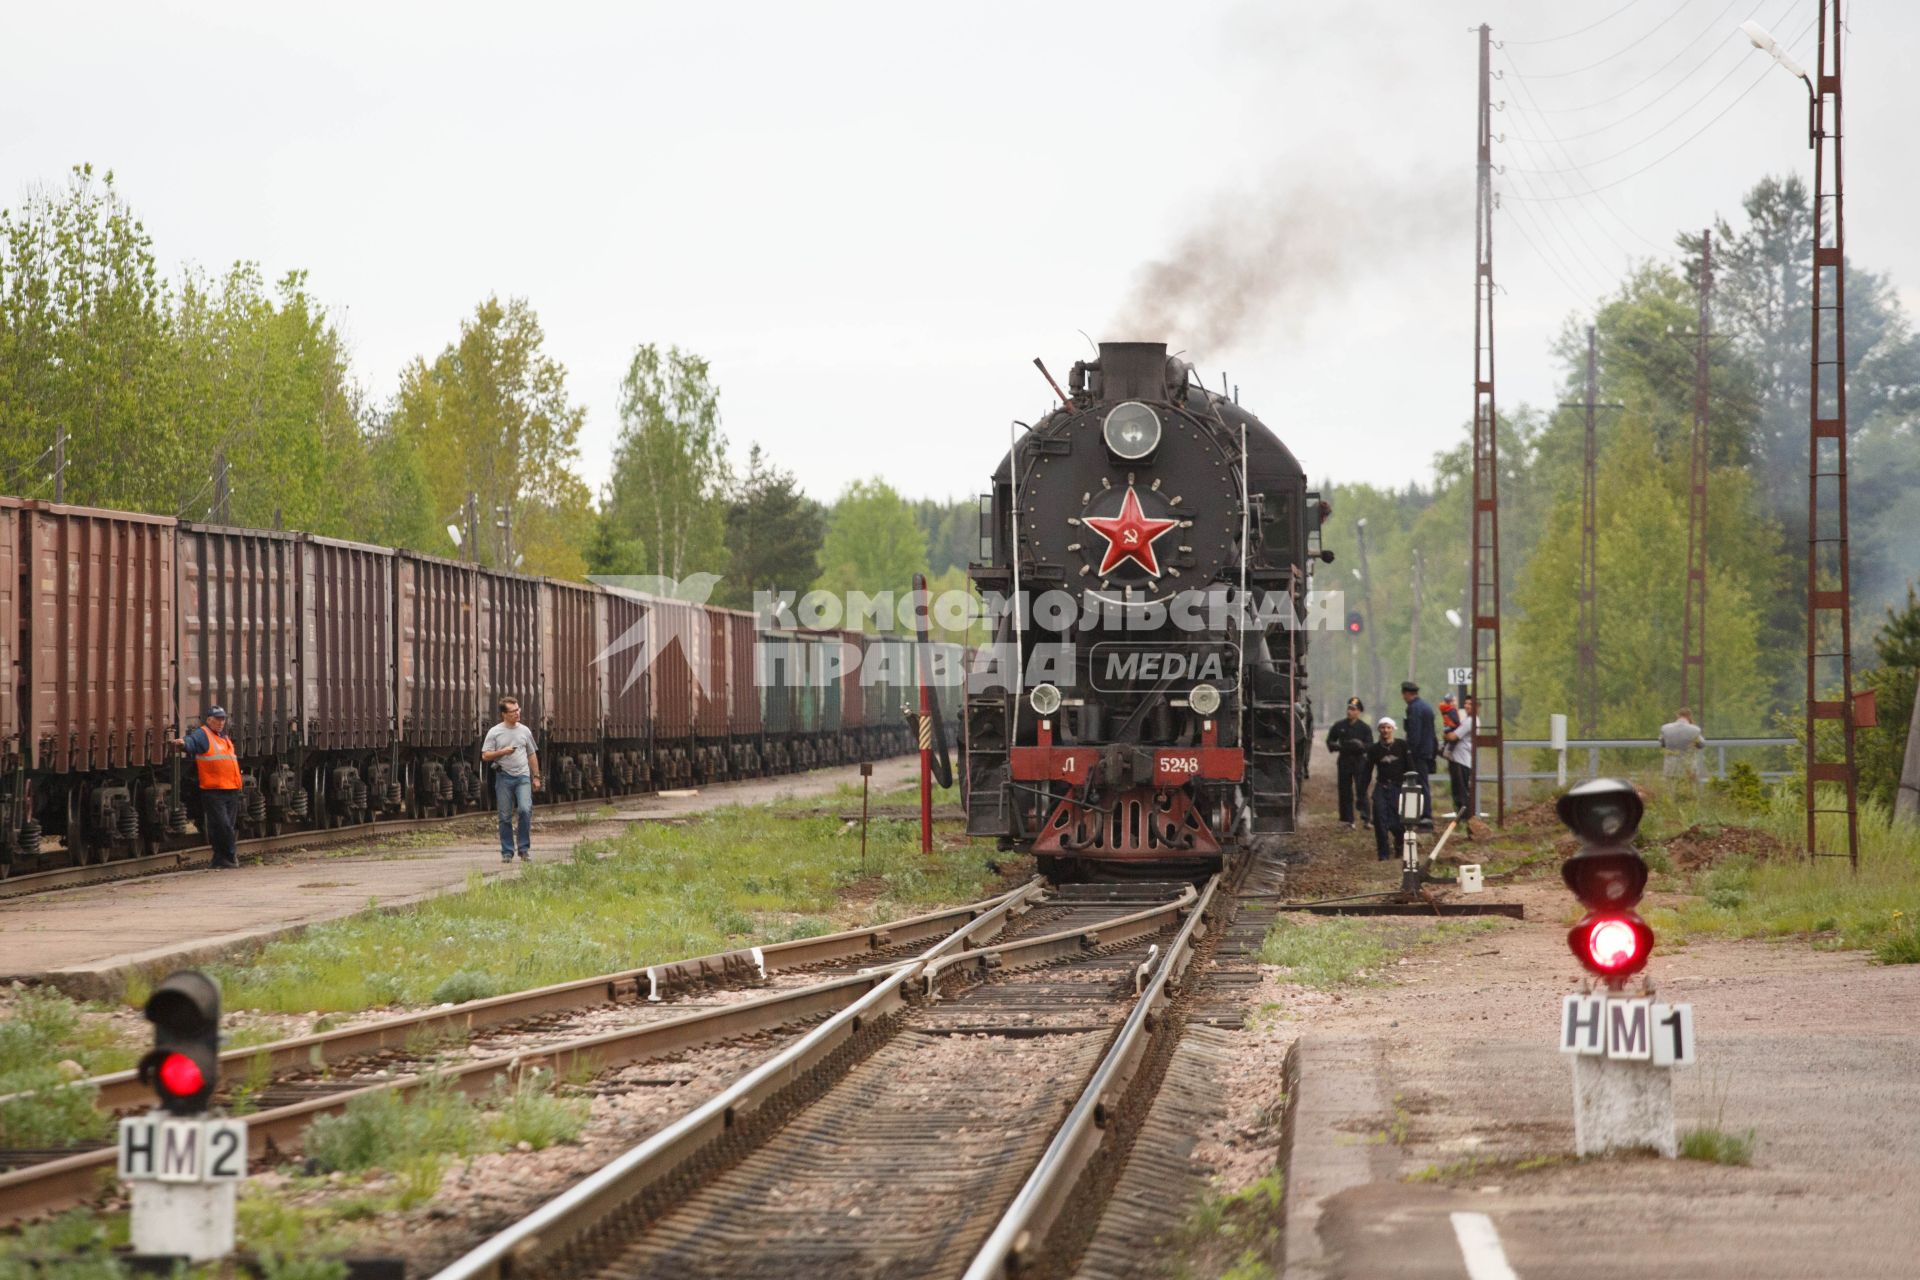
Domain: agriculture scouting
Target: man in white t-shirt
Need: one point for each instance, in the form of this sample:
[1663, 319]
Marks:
[509, 749]
[1458, 751]
[1684, 745]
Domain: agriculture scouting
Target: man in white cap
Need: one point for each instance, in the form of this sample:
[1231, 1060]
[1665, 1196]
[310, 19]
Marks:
[1391, 761]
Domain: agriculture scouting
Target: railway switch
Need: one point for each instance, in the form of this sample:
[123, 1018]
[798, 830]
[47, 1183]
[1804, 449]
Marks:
[1608, 876]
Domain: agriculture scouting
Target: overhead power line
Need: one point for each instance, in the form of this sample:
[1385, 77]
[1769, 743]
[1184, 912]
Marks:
[1657, 72]
[1600, 201]
[1657, 98]
[1639, 40]
[1682, 145]
[1631, 147]
[1591, 26]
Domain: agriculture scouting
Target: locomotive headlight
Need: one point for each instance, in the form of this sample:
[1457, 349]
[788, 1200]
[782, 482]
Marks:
[1132, 430]
[1204, 698]
[1045, 699]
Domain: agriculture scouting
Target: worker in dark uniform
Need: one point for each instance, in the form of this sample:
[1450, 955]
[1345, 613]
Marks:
[1391, 762]
[1349, 740]
[219, 769]
[1423, 747]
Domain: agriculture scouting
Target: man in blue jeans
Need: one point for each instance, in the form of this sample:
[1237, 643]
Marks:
[509, 749]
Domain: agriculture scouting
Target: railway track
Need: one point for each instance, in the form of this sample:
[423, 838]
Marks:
[471, 1046]
[917, 1131]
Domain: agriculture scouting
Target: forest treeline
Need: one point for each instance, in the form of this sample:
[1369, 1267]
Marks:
[1757, 505]
[154, 377]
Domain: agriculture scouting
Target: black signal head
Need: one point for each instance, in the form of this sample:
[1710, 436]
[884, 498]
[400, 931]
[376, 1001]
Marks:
[1604, 811]
[186, 1004]
[1606, 879]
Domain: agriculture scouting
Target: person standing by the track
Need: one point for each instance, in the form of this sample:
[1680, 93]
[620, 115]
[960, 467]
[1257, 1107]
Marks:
[1348, 740]
[1458, 751]
[1391, 761]
[1423, 745]
[509, 748]
[1683, 745]
[219, 774]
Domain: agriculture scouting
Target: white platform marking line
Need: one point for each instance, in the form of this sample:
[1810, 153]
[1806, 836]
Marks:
[1480, 1246]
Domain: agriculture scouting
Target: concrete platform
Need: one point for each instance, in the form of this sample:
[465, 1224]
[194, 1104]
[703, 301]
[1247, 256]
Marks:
[1414, 1121]
[86, 941]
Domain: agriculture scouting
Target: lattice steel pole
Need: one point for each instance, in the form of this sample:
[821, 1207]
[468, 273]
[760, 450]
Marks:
[1485, 510]
[1829, 579]
[1693, 626]
[1587, 635]
[1589, 642]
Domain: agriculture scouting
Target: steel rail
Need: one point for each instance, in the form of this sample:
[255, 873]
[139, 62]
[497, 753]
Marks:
[578, 1212]
[1054, 946]
[1020, 1235]
[121, 1090]
[55, 1183]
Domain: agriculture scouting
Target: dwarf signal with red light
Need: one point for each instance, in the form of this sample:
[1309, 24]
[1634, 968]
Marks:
[184, 1065]
[1608, 876]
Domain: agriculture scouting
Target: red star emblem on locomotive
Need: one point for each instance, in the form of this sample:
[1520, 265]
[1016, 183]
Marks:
[1130, 536]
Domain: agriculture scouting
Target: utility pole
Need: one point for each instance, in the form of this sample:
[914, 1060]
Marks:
[1693, 626]
[1377, 694]
[1587, 637]
[505, 525]
[1413, 635]
[222, 494]
[1488, 757]
[1829, 578]
[471, 519]
[60, 463]
[1590, 555]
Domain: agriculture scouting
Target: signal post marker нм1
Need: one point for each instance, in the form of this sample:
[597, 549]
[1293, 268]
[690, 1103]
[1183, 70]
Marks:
[1623, 1045]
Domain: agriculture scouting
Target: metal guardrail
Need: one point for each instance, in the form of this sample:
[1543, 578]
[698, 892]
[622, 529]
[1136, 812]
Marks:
[1594, 746]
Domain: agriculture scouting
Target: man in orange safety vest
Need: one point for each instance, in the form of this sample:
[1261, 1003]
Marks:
[219, 769]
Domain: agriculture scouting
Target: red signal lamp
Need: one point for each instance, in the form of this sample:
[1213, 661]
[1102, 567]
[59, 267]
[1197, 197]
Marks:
[180, 1076]
[1612, 944]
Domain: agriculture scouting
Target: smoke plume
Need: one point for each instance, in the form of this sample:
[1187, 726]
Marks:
[1263, 261]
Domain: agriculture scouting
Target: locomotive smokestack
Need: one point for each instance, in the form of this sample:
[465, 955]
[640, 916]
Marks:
[1133, 371]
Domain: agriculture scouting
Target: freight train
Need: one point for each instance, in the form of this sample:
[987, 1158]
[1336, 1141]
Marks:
[360, 679]
[1147, 705]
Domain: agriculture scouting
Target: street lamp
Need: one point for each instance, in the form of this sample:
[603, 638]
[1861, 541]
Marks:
[1764, 41]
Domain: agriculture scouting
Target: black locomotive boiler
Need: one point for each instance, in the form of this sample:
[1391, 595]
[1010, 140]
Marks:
[1146, 702]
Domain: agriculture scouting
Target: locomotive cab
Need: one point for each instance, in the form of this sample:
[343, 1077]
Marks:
[1143, 558]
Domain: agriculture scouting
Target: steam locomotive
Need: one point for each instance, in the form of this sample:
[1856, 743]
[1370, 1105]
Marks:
[1144, 557]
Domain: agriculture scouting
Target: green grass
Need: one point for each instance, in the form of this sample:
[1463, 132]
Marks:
[1323, 952]
[1334, 951]
[387, 1131]
[43, 1030]
[657, 892]
[1232, 1236]
[1716, 1146]
[1476, 1166]
[80, 1239]
[1793, 896]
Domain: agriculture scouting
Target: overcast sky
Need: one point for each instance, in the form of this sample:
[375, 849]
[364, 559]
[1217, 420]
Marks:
[871, 217]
